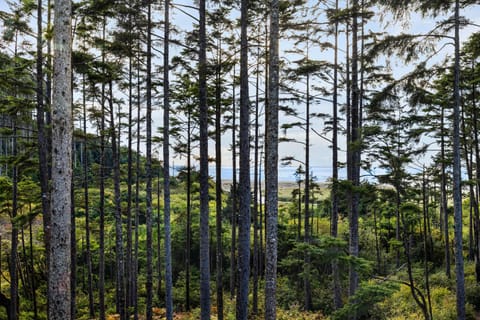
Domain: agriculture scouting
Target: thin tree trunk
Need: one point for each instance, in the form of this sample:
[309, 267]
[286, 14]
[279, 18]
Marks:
[337, 294]
[256, 257]
[137, 195]
[444, 205]
[159, 240]
[218, 186]
[306, 224]
[14, 308]
[32, 269]
[271, 170]
[234, 193]
[476, 222]
[244, 185]
[166, 163]
[189, 214]
[457, 191]
[73, 241]
[101, 267]
[425, 243]
[355, 150]
[148, 167]
[42, 138]
[86, 204]
[119, 252]
[204, 210]
[128, 258]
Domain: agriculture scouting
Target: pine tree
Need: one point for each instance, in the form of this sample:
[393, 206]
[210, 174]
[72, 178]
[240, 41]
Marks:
[204, 211]
[271, 166]
[60, 263]
[244, 183]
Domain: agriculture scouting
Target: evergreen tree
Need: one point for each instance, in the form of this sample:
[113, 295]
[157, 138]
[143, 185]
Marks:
[60, 263]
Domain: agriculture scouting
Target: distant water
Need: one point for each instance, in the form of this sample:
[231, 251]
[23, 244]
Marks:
[285, 174]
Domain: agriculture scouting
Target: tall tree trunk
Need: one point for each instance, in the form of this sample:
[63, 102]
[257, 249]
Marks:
[244, 185]
[119, 252]
[425, 243]
[101, 258]
[159, 240]
[60, 246]
[137, 192]
[457, 187]
[86, 204]
[337, 294]
[444, 203]
[256, 256]
[42, 137]
[218, 184]
[32, 269]
[234, 192]
[101, 262]
[166, 163]
[128, 258]
[271, 170]
[204, 210]
[306, 224]
[189, 213]
[355, 150]
[73, 240]
[477, 185]
[14, 236]
[148, 167]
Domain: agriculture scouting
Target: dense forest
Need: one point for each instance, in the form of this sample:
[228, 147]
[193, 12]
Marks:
[100, 101]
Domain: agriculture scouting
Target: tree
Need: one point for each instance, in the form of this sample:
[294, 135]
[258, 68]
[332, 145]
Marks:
[60, 263]
[148, 165]
[244, 178]
[337, 298]
[271, 170]
[166, 162]
[204, 211]
[457, 183]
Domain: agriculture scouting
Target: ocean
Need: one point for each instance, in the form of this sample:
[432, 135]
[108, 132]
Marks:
[285, 173]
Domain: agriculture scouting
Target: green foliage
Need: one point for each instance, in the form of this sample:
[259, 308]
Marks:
[363, 303]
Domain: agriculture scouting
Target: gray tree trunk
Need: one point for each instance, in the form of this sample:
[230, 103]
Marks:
[148, 167]
[218, 185]
[355, 152]
[337, 295]
[271, 167]
[60, 246]
[457, 187]
[42, 136]
[244, 183]
[166, 164]
[119, 252]
[204, 210]
[233, 245]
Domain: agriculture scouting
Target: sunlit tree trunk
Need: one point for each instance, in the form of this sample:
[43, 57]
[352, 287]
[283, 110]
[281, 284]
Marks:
[60, 259]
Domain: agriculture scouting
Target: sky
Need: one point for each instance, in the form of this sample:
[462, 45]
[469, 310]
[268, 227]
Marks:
[320, 148]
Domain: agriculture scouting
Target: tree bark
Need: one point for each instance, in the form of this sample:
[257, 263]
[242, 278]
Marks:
[457, 187]
[204, 197]
[119, 252]
[148, 167]
[271, 167]
[337, 295]
[218, 185]
[244, 183]
[60, 246]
